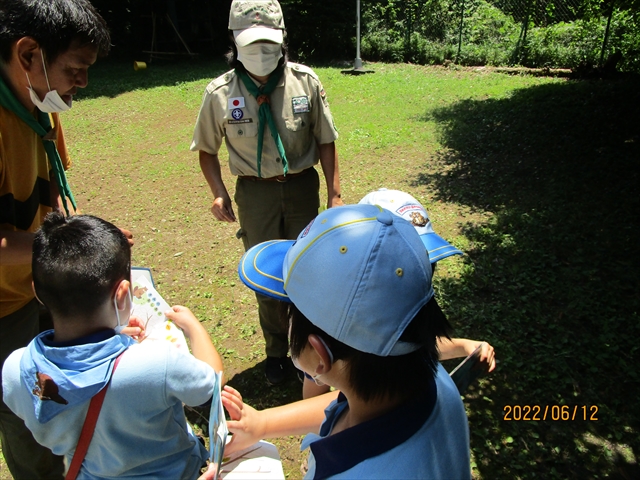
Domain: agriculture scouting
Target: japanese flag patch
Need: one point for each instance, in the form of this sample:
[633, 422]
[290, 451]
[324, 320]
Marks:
[236, 102]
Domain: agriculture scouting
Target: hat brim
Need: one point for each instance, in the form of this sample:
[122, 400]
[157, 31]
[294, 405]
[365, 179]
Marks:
[437, 247]
[255, 34]
[260, 268]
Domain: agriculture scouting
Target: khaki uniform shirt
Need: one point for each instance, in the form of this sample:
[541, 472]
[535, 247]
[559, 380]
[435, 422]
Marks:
[300, 110]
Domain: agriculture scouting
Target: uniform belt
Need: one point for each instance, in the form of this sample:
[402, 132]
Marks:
[277, 178]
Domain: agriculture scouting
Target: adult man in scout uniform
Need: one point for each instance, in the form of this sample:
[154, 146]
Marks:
[275, 121]
[46, 48]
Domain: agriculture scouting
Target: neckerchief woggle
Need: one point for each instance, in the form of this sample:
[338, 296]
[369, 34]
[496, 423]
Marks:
[42, 126]
[264, 113]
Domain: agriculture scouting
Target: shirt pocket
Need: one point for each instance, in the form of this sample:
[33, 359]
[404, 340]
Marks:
[297, 122]
[241, 130]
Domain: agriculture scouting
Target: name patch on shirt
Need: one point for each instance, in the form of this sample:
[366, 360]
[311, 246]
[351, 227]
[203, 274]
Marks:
[236, 102]
[300, 104]
[236, 122]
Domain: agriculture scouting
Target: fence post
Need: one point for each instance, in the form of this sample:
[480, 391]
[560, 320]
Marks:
[460, 34]
[522, 38]
[606, 34]
[357, 64]
[408, 19]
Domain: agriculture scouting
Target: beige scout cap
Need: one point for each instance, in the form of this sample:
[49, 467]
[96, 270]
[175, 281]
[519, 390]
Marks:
[254, 20]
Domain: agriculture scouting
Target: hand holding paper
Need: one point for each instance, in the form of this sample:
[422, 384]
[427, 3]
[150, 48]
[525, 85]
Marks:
[149, 308]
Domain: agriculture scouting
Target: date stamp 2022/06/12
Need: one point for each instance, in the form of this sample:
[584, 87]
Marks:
[562, 413]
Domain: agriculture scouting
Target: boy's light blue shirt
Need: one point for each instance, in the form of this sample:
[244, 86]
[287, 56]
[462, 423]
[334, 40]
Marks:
[141, 431]
[425, 439]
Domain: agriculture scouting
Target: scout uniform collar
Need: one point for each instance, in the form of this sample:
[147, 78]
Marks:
[264, 112]
[42, 126]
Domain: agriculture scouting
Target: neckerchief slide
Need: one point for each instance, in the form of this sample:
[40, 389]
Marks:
[264, 113]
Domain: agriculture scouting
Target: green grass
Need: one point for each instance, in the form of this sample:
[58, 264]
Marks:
[534, 178]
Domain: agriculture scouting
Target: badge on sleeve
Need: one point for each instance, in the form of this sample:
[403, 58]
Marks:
[236, 102]
[300, 104]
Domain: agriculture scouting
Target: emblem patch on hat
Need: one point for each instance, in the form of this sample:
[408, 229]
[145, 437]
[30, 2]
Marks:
[306, 230]
[236, 102]
[300, 104]
[417, 219]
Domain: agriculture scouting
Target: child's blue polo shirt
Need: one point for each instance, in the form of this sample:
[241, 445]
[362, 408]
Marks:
[427, 438]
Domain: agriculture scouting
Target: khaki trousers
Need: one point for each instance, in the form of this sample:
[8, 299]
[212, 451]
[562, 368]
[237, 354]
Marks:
[269, 210]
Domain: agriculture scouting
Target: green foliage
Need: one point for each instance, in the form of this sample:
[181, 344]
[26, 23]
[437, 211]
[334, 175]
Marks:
[550, 33]
[553, 33]
[625, 38]
[565, 44]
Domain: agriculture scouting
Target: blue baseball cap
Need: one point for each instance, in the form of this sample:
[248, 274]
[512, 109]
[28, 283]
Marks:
[357, 272]
[407, 207]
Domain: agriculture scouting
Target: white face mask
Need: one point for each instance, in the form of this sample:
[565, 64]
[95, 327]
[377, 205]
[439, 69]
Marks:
[119, 327]
[316, 378]
[260, 58]
[52, 102]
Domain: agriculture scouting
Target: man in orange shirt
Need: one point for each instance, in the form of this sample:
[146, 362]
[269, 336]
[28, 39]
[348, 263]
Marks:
[46, 48]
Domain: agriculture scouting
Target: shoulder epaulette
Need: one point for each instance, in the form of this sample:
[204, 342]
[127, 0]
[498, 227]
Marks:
[298, 67]
[221, 81]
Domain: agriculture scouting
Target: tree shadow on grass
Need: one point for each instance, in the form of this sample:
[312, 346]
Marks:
[252, 384]
[551, 279]
[113, 77]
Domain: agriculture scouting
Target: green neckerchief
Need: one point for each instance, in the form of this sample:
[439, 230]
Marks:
[264, 113]
[41, 126]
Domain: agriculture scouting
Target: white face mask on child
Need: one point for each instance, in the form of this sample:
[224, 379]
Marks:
[52, 102]
[294, 360]
[119, 327]
[260, 58]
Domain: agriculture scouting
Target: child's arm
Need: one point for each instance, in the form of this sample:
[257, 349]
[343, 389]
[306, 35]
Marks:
[249, 425]
[135, 329]
[201, 345]
[461, 347]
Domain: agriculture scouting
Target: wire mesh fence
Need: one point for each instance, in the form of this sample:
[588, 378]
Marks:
[533, 33]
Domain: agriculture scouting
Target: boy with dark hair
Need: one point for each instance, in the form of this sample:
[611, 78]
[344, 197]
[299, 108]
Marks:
[365, 321]
[81, 272]
[405, 206]
[46, 47]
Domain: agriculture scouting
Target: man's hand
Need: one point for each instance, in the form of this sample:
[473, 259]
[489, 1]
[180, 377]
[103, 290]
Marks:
[334, 201]
[222, 209]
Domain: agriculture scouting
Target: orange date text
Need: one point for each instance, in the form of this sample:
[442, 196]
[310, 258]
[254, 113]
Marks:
[556, 413]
